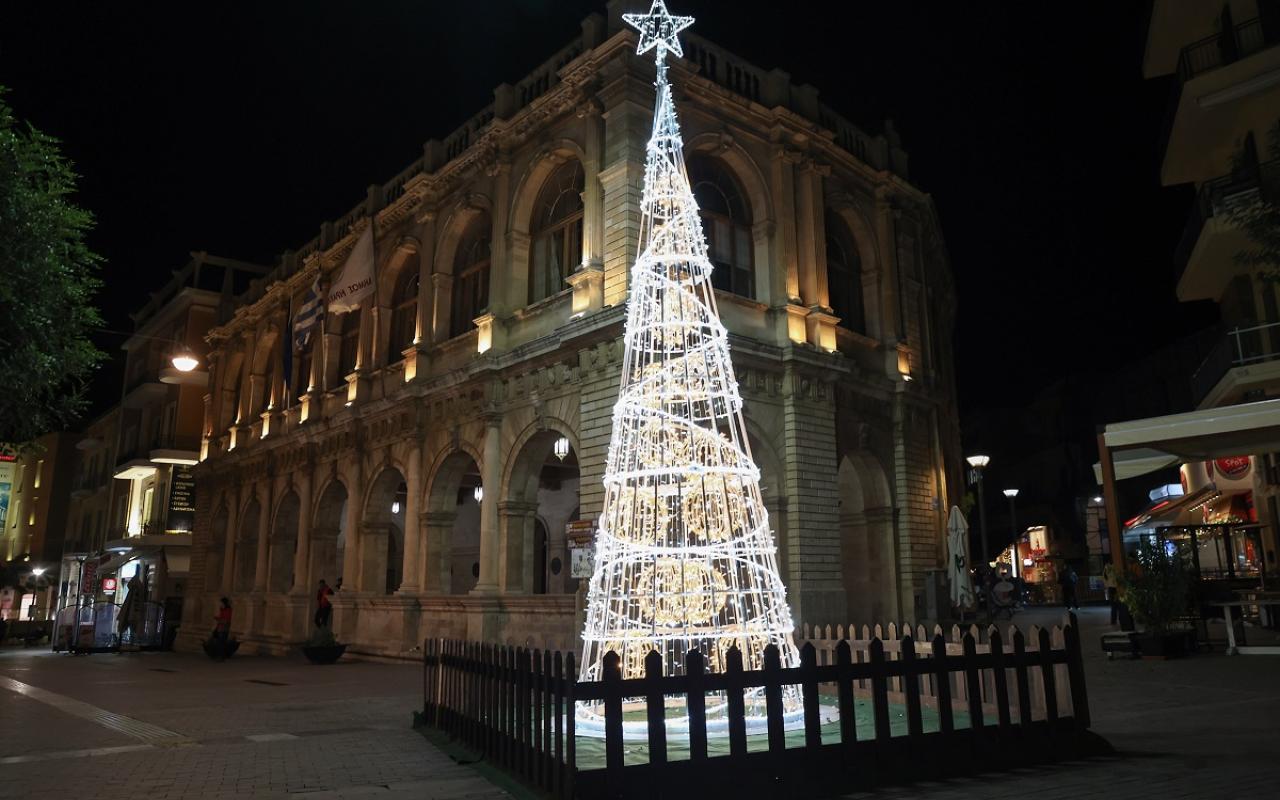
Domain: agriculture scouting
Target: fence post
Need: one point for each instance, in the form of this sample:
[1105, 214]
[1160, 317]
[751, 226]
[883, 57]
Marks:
[1075, 670]
[655, 708]
[812, 705]
[773, 710]
[1001, 679]
[548, 767]
[973, 681]
[736, 708]
[879, 690]
[1048, 678]
[570, 730]
[911, 679]
[1021, 680]
[942, 679]
[613, 719]
[557, 712]
[844, 691]
[694, 667]
[535, 679]
[504, 706]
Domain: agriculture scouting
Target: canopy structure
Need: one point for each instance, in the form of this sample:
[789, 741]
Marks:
[1138, 447]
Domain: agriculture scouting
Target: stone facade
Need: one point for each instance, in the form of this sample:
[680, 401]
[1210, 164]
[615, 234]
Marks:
[365, 461]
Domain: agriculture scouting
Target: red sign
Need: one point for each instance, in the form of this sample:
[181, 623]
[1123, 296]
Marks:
[108, 584]
[1233, 467]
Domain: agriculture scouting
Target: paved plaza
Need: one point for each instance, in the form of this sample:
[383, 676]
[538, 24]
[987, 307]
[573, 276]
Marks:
[176, 725]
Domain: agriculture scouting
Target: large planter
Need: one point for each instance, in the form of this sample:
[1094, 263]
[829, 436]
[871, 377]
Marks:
[220, 650]
[1162, 646]
[323, 654]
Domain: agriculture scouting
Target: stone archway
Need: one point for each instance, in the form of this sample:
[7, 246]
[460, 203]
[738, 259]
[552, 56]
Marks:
[246, 562]
[283, 544]
[542, 489]
[382, 534]
[451, 526]
[869, 562]
[328, 535]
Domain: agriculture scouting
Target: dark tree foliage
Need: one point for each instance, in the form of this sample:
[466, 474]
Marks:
[48, 277]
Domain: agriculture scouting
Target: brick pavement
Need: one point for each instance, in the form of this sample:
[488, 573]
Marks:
[1202, 727]
[258, 727]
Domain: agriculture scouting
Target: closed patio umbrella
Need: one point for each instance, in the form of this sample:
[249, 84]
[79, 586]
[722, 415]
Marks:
[958, 559]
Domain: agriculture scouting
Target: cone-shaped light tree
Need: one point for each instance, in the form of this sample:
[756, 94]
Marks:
[684, 555]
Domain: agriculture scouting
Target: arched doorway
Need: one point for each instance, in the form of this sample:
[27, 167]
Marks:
[382, 534]
[869, 560]
[452, 534]
[247, 547]
[283, 544]
[542, 498]
[328, 537]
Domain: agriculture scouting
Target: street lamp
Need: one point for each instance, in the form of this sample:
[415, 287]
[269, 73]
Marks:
[183, 359]
[979, 463]
[1013, 528]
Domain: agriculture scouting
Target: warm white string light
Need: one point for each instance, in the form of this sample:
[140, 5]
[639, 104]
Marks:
[684, 555]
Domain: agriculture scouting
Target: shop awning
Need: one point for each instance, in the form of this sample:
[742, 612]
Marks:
[1168, 510]
[1146, 445]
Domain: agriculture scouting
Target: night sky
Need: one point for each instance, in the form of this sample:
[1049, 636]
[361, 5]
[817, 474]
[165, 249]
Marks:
[238, 128]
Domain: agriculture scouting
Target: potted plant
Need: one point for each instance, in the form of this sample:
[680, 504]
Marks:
[1155, 589]
[322, 647]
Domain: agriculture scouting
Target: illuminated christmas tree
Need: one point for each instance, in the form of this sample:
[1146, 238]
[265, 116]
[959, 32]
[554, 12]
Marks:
[684, 555]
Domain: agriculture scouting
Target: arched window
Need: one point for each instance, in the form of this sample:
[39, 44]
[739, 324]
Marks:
[404, 309]
[557, 232]
[471, 276]
[349, 346]
[726, 217]
[844, 275]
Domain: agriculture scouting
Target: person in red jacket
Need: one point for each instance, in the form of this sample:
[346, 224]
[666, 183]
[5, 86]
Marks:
[222, 621]
[324, 607]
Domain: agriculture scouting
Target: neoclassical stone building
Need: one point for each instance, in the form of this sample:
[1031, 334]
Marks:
[409, 450]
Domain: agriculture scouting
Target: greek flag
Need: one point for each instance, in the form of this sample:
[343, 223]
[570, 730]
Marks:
[310, 314]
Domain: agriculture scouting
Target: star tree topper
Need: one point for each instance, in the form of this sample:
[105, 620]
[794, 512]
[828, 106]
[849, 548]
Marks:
[658, 29]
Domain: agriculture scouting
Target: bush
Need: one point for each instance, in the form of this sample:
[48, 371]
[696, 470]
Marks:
[1155, 586]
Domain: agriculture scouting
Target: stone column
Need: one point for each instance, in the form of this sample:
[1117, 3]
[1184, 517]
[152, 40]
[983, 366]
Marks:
[442, 306]
[436, 550]
[411, 580]
[264, 541]
[233, 533]
[515, 572]
[351, 552]
[588, 279]
[491, 478]
[302, 553]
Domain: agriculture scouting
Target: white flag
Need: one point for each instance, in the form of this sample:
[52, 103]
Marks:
[355, 279]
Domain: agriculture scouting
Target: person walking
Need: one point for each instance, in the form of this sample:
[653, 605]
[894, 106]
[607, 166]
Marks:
[1067, 579]
[324, 607]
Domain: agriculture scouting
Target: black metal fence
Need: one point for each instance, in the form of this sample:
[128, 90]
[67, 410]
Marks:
[515, 707]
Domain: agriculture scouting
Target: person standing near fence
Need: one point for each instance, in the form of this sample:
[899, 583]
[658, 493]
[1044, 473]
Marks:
[324, 607]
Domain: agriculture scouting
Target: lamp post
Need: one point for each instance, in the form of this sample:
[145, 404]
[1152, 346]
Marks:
[979, 463]
[1013, 528]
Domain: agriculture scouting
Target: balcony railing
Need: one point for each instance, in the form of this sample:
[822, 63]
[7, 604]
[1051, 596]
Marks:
[1225, 48]
[1222, 195]
[1239, 347]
